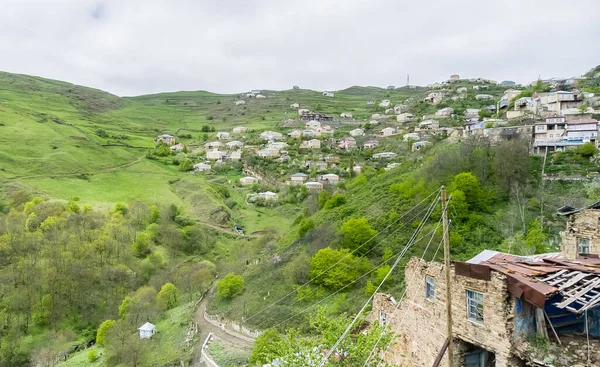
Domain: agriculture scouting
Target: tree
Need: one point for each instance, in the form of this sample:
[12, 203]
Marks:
[120, 208]
[306, 225]
[324, 196]
[587, 150]
[535, 238]
[103, 330]
[43, 311]
[470, 186]
[336, 200]
[355, 233]
[230, 286]
[141, 246]
[267, 347]
[168, 296]
[335, 269]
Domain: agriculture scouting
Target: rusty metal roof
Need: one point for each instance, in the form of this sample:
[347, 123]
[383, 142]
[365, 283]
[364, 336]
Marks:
[536, 278]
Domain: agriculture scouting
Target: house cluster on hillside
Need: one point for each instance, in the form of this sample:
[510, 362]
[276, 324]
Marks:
[541, 310]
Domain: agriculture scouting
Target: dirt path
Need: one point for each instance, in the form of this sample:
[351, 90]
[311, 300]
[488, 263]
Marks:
[205, 327]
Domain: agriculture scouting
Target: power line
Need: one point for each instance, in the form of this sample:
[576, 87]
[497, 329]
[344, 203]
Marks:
[355, 261]
[408, 245]
[340, 260]
[404, 292]
[341, 289]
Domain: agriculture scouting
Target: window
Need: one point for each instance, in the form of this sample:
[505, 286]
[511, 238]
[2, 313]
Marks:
[429, 288]
[540, 127]
[474, 306]
[382, 318]
[584, 245]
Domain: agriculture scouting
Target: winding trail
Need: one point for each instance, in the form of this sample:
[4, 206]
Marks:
[230, 338]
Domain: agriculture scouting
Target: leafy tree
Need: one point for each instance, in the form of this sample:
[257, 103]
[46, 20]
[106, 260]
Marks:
[306, 225]
[43, 311]
[336, 200]
[267, 347]
[336, 268]
[103, 331]
[230, 286]
[471, 187]
[380, 274]
[168, 296]
[141, 246]
[535, 238]
[120, 208]
[124, 307]
[587, 150]
[356, 232]
[324, 196]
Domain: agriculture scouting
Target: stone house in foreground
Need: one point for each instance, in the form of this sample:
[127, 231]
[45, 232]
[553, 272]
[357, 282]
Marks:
[501, 303]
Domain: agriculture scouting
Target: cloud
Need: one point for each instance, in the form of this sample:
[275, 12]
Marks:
[132, 47]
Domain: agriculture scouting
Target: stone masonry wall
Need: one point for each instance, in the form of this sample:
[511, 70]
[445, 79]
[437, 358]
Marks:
[584, 224]
[421, 323]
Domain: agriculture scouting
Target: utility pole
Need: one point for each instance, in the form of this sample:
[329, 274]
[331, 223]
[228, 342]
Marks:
[448, 280]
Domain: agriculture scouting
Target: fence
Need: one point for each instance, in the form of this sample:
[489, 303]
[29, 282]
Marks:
[205, 355]
[222, 323]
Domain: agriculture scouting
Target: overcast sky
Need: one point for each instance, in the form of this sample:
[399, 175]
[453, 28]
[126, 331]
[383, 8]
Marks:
[132, 47]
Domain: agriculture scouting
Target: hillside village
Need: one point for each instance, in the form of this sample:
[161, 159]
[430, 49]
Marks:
[224, 224]
[314, 151]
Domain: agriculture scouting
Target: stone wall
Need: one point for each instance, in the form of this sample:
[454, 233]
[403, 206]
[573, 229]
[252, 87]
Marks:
[421, 323]
[584, 224]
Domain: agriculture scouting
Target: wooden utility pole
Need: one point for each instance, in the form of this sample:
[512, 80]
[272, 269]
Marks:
[448, 280]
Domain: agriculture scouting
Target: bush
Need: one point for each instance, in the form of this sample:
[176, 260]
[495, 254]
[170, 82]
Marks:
[167, 297]
[230, 286]
[587, 150]
[306, 225]
[103, 331]
[335, 201]
[92, 355]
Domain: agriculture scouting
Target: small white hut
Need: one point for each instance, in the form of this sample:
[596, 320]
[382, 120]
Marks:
[147, 331]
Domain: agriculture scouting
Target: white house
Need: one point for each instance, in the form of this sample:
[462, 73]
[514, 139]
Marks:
[483, 96]
[357, 132]
[400, 108]
[177, 147]
[236, 155]
[312, 125]
[240, 102]
[346, 115]
[239, 130]
[215, 154]
[377, 116]
[222, 135]
[165, 138]
[390, 111]
[268, 153]
[311, 144]
[296, 134]
[303, 111]
[213, 144]
[404, 117]
[268, 195]
[330, 178]
[298, 178]
[234, 144]
[295, 105]
[147, 331]
[250, 95]
[373, 122]
[201, 167]
[370, 144]
[432, 125]
[445, 112]
[248, 180]
[277, 145]
[388, 131]
[385, 103]
[271, 135]
[385, 155]
[329, 94]
[260, 96]
[255, 91]
[411, 136]
[314, 186]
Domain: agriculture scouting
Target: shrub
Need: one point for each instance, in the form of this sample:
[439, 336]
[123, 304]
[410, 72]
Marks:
[92, 355]
[167, 297]
[587, 150]
[230, 286]
[335, 201]
[103, 331]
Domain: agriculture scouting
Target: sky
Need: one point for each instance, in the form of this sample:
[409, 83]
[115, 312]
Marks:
[134, 47]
